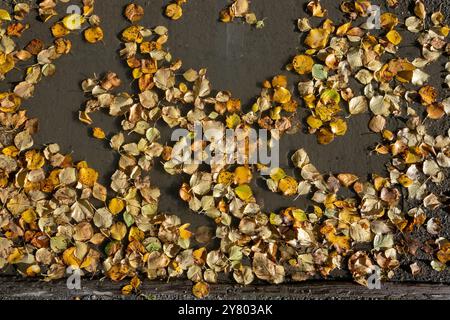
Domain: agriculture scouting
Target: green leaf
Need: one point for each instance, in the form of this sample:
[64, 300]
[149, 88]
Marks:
[244, 192]
[319, 72]
[235, 253]
[128, 218]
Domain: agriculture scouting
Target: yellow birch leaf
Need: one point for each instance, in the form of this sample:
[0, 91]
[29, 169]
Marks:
[317, 38]
[314, 122]
[93, 34]
[200, 290]
[288, 186]
[136, 234]
[225, 177]
[73, 21]
[303, 64]
[174, 11]
[88, 176]
[116, 205]
[405, 181]
[127, 289]
[70, 259]
[4, 15]
[242, 175]
[10, 151]
[281, 95]
[98, 133]
[394, 37]
[118, 231]
[276, 174]
[244, 192]
[200, 255]
[29, 215]
[325, 136]
[338, 127]
[135, 282]
[184, 233]
[58, 30]
[35, 160]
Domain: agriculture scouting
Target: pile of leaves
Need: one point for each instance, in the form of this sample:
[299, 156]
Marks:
[240, 9]
[56, 214]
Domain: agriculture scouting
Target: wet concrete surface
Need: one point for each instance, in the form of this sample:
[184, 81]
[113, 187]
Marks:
[238, 58]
